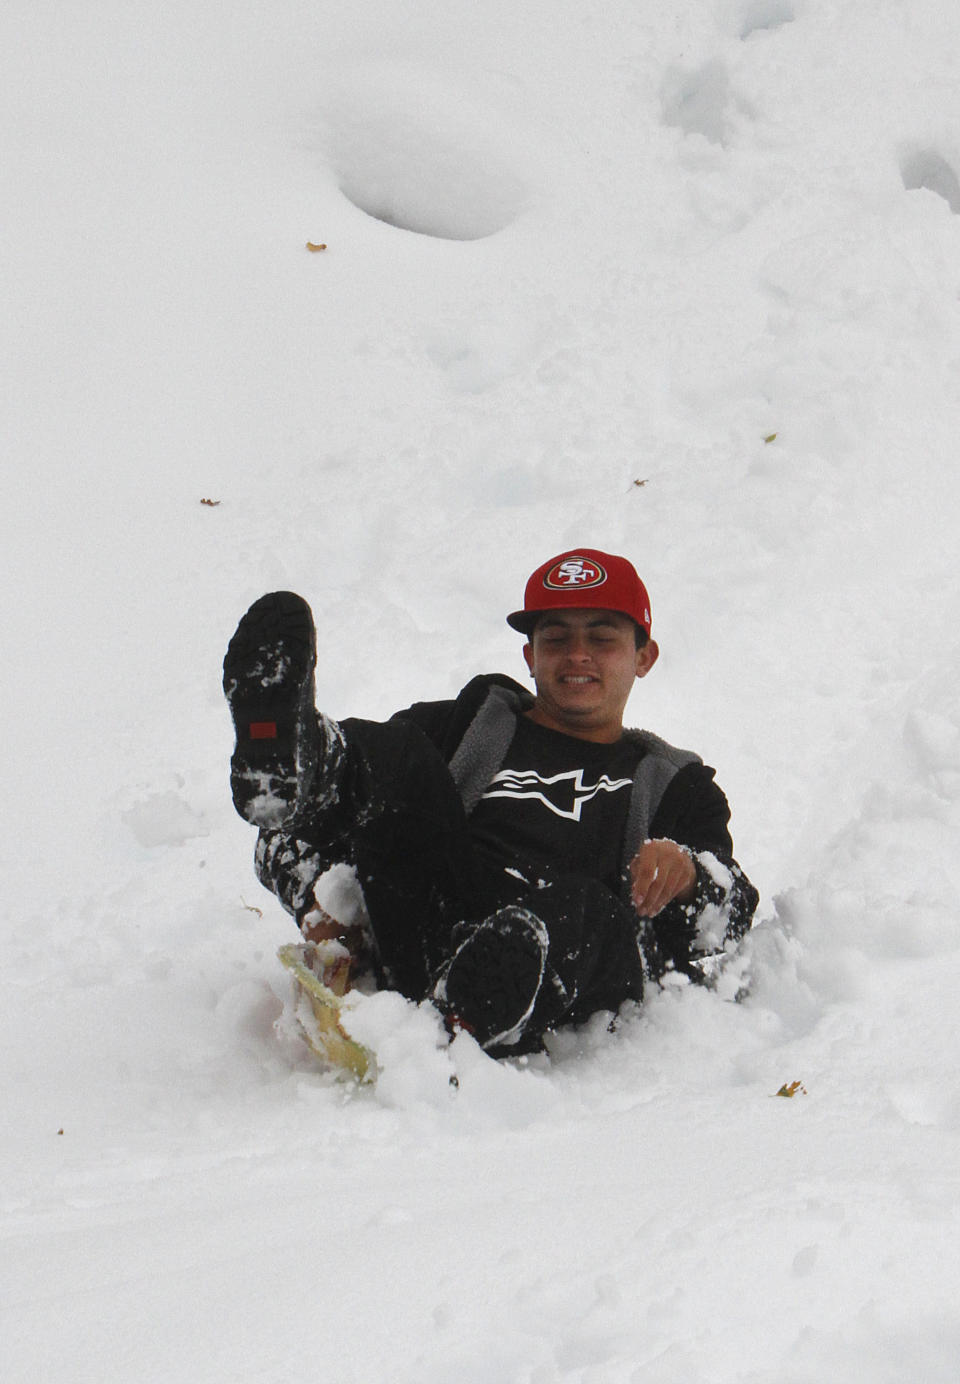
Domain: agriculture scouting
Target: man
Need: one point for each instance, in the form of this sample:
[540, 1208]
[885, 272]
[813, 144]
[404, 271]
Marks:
[524, 860]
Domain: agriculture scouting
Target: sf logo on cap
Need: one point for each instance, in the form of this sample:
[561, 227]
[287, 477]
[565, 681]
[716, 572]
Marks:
[574, 571]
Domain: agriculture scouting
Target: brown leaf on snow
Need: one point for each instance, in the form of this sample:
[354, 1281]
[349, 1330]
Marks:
[792, 1089]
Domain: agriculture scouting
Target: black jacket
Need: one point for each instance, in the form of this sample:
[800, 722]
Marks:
[674, 797]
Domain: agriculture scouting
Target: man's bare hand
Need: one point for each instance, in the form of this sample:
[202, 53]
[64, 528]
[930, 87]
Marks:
[660, 872]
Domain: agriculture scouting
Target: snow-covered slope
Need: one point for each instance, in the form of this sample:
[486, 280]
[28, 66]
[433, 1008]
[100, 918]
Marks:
[677, 281]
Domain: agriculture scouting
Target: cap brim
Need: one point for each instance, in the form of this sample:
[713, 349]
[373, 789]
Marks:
[523, 620]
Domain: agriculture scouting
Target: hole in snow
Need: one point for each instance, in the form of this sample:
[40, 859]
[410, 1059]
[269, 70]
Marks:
[766, 14]
[927, 169]
[699, 102]
[424, 161]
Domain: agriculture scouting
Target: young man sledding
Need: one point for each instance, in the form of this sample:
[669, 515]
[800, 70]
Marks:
[524, 860]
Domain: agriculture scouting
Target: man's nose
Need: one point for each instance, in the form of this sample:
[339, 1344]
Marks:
[578, 648]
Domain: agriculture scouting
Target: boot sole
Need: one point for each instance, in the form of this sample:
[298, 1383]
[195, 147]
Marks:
[269, 686]
[493, 981]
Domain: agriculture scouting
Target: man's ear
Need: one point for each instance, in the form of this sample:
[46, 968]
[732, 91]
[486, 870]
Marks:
[647, 657]
[528, 656]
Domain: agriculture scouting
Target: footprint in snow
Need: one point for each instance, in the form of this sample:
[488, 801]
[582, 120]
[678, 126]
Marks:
[926, 169]
[764, 15]
[701, 101]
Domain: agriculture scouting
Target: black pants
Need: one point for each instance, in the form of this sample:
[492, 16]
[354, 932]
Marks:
[398, 819]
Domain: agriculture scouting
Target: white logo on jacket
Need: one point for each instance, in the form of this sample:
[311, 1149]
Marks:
[567, 791]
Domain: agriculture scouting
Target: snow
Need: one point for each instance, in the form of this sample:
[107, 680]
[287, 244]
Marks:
[680, 282]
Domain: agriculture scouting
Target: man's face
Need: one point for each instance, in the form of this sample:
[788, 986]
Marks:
[584, 663]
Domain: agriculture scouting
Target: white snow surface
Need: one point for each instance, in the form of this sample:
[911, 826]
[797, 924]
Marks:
[678, 281]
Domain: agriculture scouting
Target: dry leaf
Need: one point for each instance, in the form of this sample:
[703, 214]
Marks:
[792, 1088]
[311, 246]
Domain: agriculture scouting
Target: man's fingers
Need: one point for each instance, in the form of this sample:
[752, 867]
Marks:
[660, 891]
[660, 872]
[665, 887]
[643, 871]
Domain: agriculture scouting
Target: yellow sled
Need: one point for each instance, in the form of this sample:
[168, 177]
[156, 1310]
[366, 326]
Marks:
[321, 973]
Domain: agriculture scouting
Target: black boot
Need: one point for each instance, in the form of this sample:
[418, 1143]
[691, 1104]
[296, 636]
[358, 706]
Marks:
[491, 983]
[269, 685]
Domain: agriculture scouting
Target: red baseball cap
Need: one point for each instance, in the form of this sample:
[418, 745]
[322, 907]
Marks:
[583, 578]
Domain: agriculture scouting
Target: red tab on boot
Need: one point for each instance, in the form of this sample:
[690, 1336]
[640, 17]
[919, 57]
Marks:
[263, 730]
